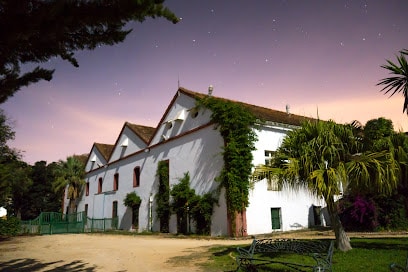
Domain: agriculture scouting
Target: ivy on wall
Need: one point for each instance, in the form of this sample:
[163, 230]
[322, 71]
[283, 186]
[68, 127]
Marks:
[186, 204]
[182, 196]
[163, 196]
[133, 201]
[236, 125]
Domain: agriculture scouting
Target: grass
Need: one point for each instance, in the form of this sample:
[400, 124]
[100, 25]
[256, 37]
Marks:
[368, 255]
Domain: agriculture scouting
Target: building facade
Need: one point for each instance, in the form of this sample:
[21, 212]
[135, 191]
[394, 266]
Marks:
[189, 142]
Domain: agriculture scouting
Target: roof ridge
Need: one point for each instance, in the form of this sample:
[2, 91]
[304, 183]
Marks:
[261, 112]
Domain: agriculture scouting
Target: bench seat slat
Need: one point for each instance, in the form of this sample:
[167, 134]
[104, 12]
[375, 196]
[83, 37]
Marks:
[320, 251]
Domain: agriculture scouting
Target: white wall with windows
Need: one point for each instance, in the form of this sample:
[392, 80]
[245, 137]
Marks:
[188, 141]
[196, 151]
[272, 208]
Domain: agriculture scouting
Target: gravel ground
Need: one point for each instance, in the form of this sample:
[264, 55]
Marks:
[104, 252]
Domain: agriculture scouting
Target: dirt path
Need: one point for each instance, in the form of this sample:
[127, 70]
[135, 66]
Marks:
[82, 252]
[102, 252]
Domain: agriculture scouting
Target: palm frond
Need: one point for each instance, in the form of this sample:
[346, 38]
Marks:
[399, 82]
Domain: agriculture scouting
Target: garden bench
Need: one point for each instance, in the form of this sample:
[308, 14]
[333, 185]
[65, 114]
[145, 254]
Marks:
[394, 267]
[265, 251]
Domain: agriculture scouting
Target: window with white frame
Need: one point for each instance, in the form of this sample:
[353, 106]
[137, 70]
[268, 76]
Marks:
[269, 156]
[273, 184]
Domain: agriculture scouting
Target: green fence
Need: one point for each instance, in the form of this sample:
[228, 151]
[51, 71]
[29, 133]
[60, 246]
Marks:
[54, 223]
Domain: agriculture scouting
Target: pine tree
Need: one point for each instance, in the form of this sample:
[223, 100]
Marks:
[34, 31]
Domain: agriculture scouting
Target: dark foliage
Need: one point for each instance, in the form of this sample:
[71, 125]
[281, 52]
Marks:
[187, 205]
[163, 196]
[9, 226]
[40, 196]
[373, 213]
[358, 213]
[34, 31]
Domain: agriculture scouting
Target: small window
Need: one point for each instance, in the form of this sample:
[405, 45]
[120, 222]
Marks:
[194, 112]
[87, 189]
[86, 210]
[136, 176]
[114, 209]
[116, 182]
[269, 156]
[100, 181]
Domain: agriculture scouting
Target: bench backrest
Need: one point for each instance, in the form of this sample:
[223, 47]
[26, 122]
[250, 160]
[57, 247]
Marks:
[293, 246]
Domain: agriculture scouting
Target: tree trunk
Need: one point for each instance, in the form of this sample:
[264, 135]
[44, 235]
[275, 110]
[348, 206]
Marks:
[342, 240]
[71, 206]
[18, 213]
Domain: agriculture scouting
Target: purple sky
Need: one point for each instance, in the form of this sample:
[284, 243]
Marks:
[316, 56]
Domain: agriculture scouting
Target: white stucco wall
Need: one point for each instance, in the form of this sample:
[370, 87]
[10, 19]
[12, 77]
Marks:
[95, 160]
[193, 147]
[196, 152]
[296, 206]
[133, 144]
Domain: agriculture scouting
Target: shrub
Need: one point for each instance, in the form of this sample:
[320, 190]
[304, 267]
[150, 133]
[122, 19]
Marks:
[10, 226]
[359, 213]
[132, 200]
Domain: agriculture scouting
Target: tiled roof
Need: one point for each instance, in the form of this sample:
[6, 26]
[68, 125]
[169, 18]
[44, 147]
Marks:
[105, 149]
[261, 113]
[82, 158]
[144, 132]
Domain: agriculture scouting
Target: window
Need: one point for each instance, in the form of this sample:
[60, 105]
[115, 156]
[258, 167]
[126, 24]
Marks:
[87, 189]
[194, 112]
[269, 156]
[86, 210]
[100, 181]
[276, 218]
[116, 182]
[136, 176]
[114, 209]
[273, 184]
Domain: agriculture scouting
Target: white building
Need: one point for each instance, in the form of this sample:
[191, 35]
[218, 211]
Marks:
[188, 140]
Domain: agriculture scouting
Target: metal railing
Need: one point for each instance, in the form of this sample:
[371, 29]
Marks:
[55, 223]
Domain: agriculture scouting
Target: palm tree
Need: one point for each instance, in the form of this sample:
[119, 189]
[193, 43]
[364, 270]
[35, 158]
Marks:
[325, 157]
[398, 82]
[70, 176]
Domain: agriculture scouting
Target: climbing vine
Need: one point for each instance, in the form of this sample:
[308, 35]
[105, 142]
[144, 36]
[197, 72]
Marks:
[236, 125]
[201, 211]
[163, 196]
[182, 195]
[132, 200]
[186, 204]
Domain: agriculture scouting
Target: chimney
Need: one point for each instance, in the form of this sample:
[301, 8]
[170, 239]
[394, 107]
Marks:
[210, 90]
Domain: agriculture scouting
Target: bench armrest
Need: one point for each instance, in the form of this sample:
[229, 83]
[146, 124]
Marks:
[244, 253]
[397, 268]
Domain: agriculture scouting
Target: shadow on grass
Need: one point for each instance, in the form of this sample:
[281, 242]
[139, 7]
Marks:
[380, 243]
[36, 265]
[377, 247]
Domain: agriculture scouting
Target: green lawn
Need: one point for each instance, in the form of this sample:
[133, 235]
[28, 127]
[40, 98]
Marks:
[367, 255]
